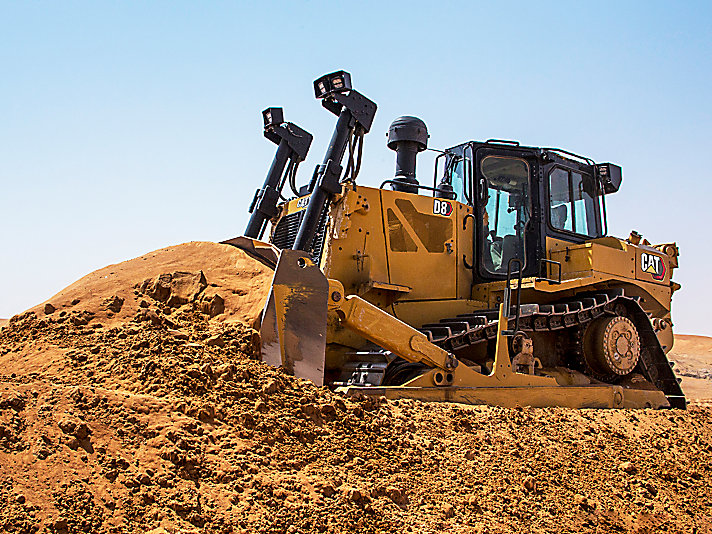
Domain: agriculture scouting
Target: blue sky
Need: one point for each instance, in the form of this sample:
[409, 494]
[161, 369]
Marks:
[130, 126]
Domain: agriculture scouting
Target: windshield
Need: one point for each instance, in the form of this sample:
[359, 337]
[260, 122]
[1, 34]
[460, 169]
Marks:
[507, 211]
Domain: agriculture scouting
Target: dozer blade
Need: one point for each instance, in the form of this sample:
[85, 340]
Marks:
[293, 330]
[266, 253]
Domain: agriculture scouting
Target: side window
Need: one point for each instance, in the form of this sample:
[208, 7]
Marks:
[468, 175]
[572, 199]
[458, 173]
[560, 200]
[457, 177]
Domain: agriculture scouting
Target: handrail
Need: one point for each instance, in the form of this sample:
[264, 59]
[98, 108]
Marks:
[464, 227]
[508, 295]
[451, 195]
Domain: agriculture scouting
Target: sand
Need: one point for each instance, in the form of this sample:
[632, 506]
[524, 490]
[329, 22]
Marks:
[242, 282]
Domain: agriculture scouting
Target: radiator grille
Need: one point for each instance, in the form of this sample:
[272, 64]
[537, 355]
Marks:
[285, 233]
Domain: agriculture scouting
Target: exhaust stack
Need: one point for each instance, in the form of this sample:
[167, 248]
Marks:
[407, 136]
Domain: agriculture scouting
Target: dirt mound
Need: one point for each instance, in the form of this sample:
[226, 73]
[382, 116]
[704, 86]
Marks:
[159, 418]
[195, 273]
[692, 356]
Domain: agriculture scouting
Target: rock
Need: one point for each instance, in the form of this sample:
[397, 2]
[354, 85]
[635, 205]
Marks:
[270, 387]
[328, 411]
[78, 429]
[325, 488]
[158, 288]
[650, 487]
[448, 510]
[211, 304]
[75, 302]
[177, 334]
[207, 369]
[49, 309]
[580, 500]
[60, 525]
[396, 495]
[529, 484]
[470, 454]
[206, 413]
[177, 288]
[352, 494]
[260, 406]
[628, 467]
[113, 303]
[143, 304]
[20, 498]
[78, 320]
[12, 399]
[215, 341]
[152, 316]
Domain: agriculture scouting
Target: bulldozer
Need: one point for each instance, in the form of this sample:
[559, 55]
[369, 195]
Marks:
[496, 283]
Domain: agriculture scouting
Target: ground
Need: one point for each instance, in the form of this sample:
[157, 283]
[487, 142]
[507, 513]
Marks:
[135, 402]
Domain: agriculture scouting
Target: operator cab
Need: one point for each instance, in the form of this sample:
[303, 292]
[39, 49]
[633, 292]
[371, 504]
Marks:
[523, 195]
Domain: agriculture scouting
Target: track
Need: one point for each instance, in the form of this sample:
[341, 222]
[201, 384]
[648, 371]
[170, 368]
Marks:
[458, 333]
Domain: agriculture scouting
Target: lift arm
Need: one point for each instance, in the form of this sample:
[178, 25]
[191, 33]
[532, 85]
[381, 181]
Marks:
[386, 331]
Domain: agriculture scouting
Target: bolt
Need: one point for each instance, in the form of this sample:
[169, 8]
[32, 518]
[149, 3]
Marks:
[336, 296]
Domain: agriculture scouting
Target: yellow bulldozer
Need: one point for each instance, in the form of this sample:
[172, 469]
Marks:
[495, 284]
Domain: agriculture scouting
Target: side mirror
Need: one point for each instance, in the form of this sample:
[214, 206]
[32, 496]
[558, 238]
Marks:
[482, 192]
[610, 176]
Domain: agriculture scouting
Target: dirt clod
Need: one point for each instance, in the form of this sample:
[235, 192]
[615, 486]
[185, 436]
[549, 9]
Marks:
[628, 467]
[529, 484]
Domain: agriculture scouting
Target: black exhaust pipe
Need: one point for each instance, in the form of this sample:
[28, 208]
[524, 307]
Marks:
[407, 136]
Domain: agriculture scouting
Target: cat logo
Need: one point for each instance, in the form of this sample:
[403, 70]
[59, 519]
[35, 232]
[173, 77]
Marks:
[442, 207]
[303, 202]
[652, 264]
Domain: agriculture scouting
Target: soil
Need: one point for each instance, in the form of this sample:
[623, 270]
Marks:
[143, 408]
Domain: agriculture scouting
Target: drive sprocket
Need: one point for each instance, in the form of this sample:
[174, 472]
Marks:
[611, 346]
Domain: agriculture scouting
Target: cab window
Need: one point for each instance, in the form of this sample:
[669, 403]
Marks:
[572, 202]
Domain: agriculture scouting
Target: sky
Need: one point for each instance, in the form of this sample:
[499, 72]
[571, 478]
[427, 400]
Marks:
[130, 126]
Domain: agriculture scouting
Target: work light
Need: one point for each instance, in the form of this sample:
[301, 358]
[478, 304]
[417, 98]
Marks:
[336, 82]
[273, 117]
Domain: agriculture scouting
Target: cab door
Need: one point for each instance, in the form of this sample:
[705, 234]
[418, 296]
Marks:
[508, 210]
